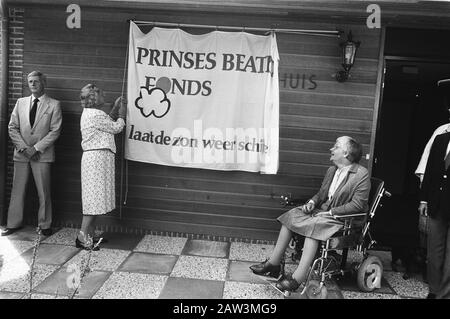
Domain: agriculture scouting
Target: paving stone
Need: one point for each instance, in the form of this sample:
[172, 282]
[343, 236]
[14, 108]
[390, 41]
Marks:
[10, 249]
[120, 241]
[15, 276]
[149, 263]
[51, 254]
[65, 236]
[10, 295]
[241, 290]
[27, 233]
[103, 259]
[239, 271]
[161, 245]
[367, 295]
[250, 252]
[206, 248]
[184, 288]
[60, 283]
[411, 287]
[200, 268]
[125, 285]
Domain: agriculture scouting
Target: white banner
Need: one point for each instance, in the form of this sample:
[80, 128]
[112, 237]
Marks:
[205, 101]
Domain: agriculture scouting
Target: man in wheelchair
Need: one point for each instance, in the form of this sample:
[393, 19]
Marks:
[344, 191]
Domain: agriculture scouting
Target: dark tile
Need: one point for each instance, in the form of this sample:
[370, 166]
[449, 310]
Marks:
[51, 254]
[27, 233]
[206, 248]
[183, 288]
[239, 271]
[149, 263]
[120, 241]
[60, 283]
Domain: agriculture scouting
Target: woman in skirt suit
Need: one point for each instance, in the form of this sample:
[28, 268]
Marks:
[98, 125]
[344, 190]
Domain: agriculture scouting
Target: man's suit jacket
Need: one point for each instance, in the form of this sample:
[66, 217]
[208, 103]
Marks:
[435, 188]
[43, 134]
[351, 196]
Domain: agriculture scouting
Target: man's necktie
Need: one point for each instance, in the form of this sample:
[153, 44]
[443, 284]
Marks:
[33, 111]
[447, 161]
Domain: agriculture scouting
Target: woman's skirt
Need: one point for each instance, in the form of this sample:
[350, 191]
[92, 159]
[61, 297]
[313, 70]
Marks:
[98, 182]
[318, 227]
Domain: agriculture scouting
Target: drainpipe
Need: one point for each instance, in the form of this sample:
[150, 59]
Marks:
[3, 107]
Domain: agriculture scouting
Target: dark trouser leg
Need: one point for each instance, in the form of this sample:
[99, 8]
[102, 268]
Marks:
[444, 291]
[437, 237]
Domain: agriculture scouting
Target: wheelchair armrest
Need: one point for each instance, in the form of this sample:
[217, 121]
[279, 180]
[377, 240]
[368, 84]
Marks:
[350, 215]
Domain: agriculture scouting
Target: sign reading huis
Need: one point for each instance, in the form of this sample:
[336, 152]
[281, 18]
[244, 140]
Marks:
[204, 101]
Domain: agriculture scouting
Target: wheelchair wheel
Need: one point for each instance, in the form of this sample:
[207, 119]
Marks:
[313, 290]
[369, 274]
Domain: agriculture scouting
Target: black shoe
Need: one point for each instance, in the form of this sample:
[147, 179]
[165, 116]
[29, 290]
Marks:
[47, 232]
[266, 269]
[431, 296]
[288, 284]
[80, 244]
[9, 231]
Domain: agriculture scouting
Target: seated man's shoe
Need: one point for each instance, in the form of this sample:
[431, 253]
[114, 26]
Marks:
[47, 232]
[288, 284]
[431, 296]
[9, 231]
[266, 269]
[80, 244]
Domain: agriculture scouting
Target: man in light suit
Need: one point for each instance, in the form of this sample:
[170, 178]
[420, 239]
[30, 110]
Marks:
[34, 127]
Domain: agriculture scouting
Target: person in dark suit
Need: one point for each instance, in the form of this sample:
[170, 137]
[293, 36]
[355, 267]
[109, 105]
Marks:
[435, 203]
[34, 127]
[344, 190]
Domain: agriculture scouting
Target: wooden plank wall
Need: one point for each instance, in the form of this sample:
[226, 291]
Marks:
[314, 110]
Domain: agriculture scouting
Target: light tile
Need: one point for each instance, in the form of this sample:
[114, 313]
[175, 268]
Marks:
[250, 252]
[240, 290]
[206, 248]
[161, 245]
[65, 236]
[9, 249]
[44, 296]
[14, 276]
[103, 259]
[124, 285]
[411, 287]
[367, 295]
[200, 268]
[10, 295]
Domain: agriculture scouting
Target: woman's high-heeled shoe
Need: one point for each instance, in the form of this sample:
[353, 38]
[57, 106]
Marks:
[288, 284]
[80, 244]
[266, 269]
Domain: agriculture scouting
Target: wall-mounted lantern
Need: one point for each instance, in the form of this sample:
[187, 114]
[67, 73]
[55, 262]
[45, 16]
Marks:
[349, 49]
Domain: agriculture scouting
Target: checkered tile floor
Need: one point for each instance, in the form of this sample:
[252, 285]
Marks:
[130, 266]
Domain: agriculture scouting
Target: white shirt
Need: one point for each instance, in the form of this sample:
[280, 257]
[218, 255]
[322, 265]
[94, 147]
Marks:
[420, 170]
[338, 178]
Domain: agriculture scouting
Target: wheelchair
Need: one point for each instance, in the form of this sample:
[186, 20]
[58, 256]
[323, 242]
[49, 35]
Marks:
[355, 235]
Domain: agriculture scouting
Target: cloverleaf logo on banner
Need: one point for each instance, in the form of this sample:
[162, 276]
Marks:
[153, 102]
